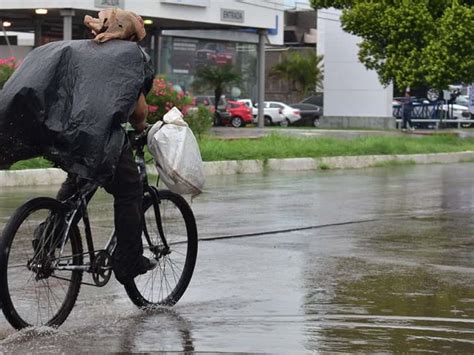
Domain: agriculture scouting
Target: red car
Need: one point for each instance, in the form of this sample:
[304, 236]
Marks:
[240, 114]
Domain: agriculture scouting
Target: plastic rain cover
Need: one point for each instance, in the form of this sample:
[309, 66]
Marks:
[67, 101]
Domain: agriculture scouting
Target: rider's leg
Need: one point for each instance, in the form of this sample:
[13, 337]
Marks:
[68, 188]
[126, 187]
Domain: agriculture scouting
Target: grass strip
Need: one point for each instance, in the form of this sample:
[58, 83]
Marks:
[279, 147]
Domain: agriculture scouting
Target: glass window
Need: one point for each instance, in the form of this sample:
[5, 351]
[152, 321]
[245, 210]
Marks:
[181, 58]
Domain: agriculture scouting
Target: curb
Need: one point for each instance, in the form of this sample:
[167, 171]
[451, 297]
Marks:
[54, 176]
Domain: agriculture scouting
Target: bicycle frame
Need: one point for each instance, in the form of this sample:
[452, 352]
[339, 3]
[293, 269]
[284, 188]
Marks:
[77, 207]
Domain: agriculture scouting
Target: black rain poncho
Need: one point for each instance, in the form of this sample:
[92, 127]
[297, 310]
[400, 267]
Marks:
[67, 102]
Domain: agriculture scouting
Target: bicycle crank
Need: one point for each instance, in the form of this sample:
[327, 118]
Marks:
[102, 268]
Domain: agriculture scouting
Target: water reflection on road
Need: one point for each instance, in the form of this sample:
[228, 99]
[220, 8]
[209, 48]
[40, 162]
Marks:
[401, 282]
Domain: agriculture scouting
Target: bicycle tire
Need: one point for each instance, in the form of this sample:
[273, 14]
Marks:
[180, 230]
[18, 249]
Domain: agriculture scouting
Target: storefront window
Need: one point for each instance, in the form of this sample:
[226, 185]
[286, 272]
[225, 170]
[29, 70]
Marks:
[182, 57]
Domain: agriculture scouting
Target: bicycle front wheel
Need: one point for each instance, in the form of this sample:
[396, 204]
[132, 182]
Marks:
[176, 254]
[33, 289]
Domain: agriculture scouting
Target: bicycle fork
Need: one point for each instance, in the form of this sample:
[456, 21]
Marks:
[156, 249]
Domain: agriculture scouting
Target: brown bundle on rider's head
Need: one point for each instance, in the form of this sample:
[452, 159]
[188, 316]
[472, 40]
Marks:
[116, 24]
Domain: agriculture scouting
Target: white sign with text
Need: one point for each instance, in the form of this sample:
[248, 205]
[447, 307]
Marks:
[109, 3]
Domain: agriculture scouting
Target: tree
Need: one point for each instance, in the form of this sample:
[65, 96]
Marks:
[303, 70]
[412, 42]
[217, 78]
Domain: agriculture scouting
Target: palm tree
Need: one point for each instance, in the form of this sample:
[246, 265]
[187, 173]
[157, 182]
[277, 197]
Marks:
[303, 70]
[217, 78]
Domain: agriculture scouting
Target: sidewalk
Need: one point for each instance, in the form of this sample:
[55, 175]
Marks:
[52, 176]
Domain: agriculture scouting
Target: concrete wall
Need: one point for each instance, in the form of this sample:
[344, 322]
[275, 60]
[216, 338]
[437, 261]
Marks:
[349, 88]
[357, 122]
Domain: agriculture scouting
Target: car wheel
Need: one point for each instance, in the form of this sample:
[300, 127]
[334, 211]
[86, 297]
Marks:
[236, 122]
[284, 123]
[316, 122]
[217, 120]
[433, 95]
[268, 121]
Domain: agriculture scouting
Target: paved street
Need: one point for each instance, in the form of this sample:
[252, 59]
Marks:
[370, 260]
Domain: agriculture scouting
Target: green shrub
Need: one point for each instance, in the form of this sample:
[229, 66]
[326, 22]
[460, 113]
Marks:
[163, 97]
[199, 120]
[7, 67]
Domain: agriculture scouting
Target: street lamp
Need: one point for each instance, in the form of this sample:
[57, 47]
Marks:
[41, 11]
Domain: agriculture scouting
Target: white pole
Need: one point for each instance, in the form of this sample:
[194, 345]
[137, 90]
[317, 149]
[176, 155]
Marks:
[261, 76]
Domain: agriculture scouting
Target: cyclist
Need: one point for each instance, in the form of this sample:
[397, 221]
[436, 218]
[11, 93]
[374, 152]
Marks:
[74, 96]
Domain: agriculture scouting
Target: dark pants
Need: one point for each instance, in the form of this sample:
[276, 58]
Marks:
[406, 119]
[127, 189]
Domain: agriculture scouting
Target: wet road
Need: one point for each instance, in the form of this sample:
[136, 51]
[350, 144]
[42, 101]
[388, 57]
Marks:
[373, 260]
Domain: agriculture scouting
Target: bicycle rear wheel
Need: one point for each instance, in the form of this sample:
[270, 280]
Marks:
[32, 291]
[166, 284]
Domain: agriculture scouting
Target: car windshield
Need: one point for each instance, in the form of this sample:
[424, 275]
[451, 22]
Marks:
[461, 100]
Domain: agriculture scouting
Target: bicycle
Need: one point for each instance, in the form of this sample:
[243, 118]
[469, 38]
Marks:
[42, 259]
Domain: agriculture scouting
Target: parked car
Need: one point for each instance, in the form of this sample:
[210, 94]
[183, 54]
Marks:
[249, 104]
[228, 111]
[291, 114]
[316, 99]
[240, 114]
[271, 115]
[309, 114]
[222, 114]
[455, 111]
[462, 100]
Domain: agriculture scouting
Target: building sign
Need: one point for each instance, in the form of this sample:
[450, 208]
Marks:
[109, 3]
[229, 15]
[200, 3]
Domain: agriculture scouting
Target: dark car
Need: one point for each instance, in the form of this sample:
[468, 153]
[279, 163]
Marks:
[222, 114]
[316, 99]
[309, 114]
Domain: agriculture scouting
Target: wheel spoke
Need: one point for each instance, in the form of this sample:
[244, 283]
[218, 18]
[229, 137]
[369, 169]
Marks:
[168, 281]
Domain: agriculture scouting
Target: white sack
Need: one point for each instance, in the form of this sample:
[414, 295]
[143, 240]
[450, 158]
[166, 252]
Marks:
[176, 154]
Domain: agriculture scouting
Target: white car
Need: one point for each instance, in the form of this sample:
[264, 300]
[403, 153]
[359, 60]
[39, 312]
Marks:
[462, 100]
[272, 115]
[291, 114]
[455, 111]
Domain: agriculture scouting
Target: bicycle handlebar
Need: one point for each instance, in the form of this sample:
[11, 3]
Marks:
[138, 140]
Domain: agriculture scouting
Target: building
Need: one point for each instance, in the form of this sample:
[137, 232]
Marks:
[299, 35]
[182, 34]
[353, 95]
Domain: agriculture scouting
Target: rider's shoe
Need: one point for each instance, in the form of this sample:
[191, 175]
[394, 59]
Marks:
[143, 266]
